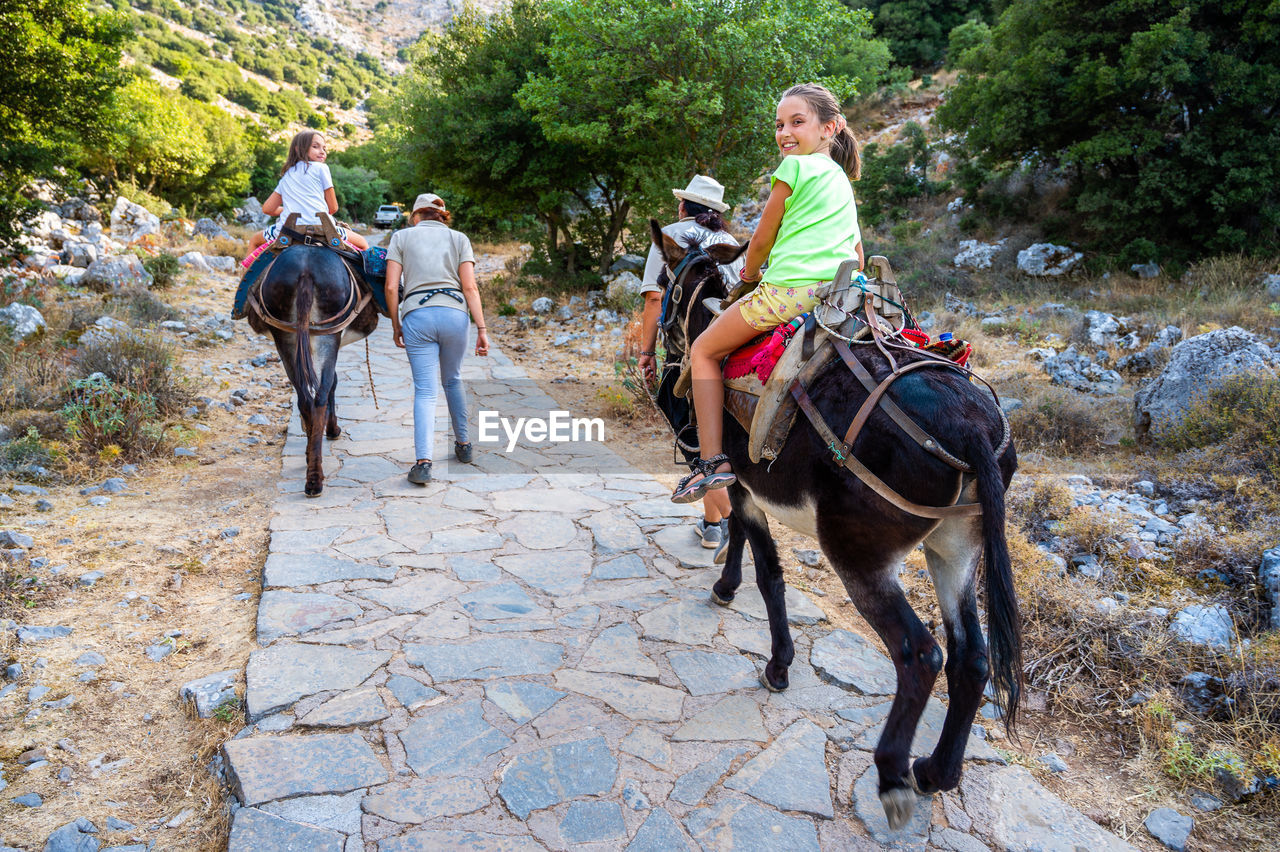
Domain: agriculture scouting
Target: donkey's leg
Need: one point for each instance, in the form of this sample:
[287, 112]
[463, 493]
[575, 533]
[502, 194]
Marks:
[326, 357]
[772, 588]
[917, 659]
[724, 589]
[332, 429]
[952, 552]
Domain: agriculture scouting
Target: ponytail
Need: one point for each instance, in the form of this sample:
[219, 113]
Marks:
[844, 150]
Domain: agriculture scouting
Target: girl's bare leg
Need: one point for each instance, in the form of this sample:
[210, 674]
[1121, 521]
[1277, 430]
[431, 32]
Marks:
[727, 333]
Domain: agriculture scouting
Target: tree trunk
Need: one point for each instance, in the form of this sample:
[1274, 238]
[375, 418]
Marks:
[617, 221]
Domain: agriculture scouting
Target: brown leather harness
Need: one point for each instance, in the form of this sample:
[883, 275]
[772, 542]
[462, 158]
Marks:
[842, 450]
[357, 297]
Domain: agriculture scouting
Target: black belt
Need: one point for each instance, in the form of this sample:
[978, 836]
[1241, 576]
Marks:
[424, 296]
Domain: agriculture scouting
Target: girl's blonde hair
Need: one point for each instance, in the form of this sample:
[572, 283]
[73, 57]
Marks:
[299, 149]
[844, 147]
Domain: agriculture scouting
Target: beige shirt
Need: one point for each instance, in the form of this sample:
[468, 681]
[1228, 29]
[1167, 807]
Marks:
[430, 253]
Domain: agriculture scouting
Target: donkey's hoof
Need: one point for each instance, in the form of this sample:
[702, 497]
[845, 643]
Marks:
[313, 490]
[768, 684]
[717, 599]
[333, 435]
[899, 803]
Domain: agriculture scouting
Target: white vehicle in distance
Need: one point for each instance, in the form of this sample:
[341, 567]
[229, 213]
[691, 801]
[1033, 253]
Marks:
[387, 216]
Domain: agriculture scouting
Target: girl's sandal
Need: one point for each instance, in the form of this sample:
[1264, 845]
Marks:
[687, 491]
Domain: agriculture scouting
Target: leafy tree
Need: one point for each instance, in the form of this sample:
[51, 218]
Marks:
[59, 62]
[1161, 114]
[894, 176]
[360, 191]
[917, 30]
[461, 129]
[655, 90]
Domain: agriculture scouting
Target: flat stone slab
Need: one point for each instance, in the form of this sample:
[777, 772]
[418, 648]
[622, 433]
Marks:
[282, 613]
[262, 769]
[283, 673]
[791, 774]
[521, 700]
[253, 830]
[735, 718]
[679, 542]
[556, 774]
[450, 740]
[848, 660]
[683, 622]
[649, 745]
[617, 650]
[707, 673]
[464, 540]
[358, 707]
[693, 785]
[409, 692]
[437, 840]
[659, 833]
[592, 822]
[503, 600]
[360, 634]
[336, 812]
[741, 825]
[500, 656]
[557, 573]
[417, 594]
[1015, 812]
[540, 531]
[564, 500]
[625, 567]
[292, 569]
[800, 610]
[928, 731]
[913, 835]
[615, 534]
[422, 802]
[410, 522]
[631, 698]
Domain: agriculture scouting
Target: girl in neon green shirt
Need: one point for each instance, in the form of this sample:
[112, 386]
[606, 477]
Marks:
[809, 225]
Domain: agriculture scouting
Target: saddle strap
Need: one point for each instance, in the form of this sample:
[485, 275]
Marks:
[905, 423]
[844, 455]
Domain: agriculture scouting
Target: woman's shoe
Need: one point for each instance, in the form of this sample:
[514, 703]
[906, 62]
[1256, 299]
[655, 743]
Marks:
[463, 452]
[711, 534]
[420, 473]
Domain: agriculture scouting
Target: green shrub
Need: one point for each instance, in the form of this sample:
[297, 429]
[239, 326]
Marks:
[27, 451]
[141, 363]
[893, 176]
[106, 419]
[137, 306]
[164, 269]
[1241, 415]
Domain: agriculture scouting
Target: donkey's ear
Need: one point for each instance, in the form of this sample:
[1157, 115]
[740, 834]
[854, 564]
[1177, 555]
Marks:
[723, 253]
[672, 252]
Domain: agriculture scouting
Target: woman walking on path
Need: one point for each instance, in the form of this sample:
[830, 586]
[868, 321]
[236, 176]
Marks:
[699, 212]
[439, 271]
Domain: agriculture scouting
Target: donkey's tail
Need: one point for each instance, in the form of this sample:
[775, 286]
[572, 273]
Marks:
[1004, 624]
[303, 365]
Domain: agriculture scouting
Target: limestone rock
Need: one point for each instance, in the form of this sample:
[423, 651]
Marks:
[1046, 259]
[976, 255]
[116, 273]
[22, 320]
[1196, 366]
[1210, 626]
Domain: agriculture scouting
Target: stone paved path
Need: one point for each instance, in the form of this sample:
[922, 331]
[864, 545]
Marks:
[520, 658]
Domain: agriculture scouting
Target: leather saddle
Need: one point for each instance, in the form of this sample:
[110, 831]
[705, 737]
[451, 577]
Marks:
[766, 409]
[364, 270]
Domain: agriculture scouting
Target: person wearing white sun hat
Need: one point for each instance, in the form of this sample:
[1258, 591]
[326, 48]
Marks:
[439, 270]
[700, 209]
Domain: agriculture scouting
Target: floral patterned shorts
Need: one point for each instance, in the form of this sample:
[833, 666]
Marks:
[768, 306]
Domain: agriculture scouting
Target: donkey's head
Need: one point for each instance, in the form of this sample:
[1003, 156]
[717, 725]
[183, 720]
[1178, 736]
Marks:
[694, 271]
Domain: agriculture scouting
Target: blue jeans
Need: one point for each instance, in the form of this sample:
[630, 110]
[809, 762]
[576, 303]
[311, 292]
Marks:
[436, 339]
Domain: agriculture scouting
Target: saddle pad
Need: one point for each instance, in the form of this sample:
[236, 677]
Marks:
[744, 360]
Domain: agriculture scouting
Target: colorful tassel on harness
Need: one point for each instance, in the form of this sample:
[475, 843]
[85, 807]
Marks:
[761, 355]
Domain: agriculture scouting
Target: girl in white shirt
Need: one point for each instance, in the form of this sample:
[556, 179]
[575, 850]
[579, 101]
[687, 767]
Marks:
[305, 188]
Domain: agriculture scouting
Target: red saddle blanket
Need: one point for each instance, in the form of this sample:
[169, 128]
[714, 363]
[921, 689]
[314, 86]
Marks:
[761, 355]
